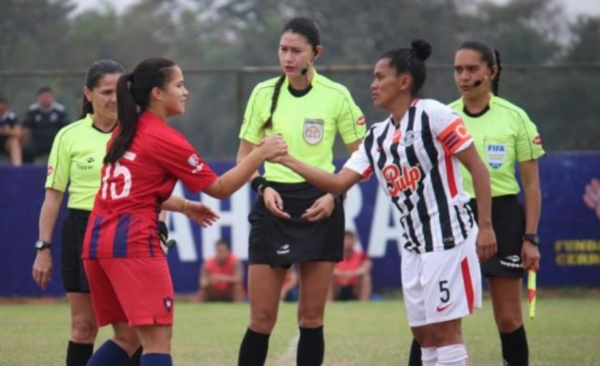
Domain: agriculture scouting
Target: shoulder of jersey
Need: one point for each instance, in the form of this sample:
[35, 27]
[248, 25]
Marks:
[434, 106]
[454, 104]
[59, 107]
[326, 82]
[508, 105]
[66, 130]
[11, 115]
[33, 107]
[267, 84]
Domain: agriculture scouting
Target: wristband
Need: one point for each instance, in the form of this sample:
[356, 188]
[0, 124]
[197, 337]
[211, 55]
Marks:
[259, 184]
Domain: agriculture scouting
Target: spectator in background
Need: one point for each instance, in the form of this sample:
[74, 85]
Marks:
[352, 276]
[221, 277]
[10, 133]
[43, 121]
[289, 290]
[591, 196]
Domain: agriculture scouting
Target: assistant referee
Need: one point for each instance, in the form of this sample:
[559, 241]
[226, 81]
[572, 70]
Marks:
[293, 221]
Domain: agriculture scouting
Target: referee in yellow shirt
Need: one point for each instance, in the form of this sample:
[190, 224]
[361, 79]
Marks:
[293, 221]
[506, 139]
[76, 161]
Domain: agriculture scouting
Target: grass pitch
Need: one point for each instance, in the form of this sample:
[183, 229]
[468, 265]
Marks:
[565, 332]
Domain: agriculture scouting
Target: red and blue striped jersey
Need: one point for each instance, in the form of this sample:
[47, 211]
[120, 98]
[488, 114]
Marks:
[123, 222]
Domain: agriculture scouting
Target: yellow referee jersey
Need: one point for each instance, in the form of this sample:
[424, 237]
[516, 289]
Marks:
[76, 160]
[504, 136]
[308, 123]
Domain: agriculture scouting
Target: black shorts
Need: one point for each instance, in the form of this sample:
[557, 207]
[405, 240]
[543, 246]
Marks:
[74, 278]
[282, 242]
[508, 221]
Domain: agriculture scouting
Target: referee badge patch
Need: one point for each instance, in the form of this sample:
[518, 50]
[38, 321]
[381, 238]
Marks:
[496, 154]
[313, 130]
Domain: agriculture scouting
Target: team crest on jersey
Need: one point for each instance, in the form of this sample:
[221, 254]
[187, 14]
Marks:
[194, 161]
[50, 170]
[360, 121]
[537, 140]
[313, 130]
[496, 153]
[410, 138]
[398, 183]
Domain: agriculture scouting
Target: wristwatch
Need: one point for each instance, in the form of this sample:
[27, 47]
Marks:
[40, 244]
[532, 238]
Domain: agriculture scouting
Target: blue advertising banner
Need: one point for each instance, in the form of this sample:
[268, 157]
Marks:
[569, 228]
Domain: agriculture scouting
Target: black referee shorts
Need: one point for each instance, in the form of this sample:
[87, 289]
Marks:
[282, 242]
[74, 278]
[508, 221]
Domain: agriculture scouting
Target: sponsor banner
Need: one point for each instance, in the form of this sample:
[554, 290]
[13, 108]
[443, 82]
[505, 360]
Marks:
[569, 228]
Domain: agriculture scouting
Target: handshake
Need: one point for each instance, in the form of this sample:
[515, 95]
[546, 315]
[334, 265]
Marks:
[273, 148]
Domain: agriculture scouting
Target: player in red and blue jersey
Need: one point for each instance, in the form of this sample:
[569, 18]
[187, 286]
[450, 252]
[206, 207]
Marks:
[127, 270]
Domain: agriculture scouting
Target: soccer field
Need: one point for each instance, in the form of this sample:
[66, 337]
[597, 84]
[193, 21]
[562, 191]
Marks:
[566, 332]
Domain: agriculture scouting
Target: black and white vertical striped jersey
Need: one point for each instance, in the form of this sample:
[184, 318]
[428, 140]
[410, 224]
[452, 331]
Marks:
[414, 163]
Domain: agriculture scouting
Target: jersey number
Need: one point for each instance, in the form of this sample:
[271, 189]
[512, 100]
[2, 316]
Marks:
[119, 170]
[445, 292]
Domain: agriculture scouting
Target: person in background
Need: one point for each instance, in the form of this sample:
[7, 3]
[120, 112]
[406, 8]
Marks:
[10, 133]
[289, 290]
[43, 121]
[221, 277]
[352, 276]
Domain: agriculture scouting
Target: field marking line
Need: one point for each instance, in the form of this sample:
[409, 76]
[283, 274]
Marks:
[289, 356]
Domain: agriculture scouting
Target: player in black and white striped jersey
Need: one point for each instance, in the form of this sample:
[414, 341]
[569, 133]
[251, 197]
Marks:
[415, 155]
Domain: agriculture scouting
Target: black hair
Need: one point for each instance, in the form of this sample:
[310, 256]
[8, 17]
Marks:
[224, 242]
[411, 60]
[97, 71]
[310, 30]
[489, 55]
[349, 233]
[44, 89]
[133, 91]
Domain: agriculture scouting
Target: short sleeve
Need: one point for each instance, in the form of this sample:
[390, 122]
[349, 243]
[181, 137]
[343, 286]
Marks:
[359, 161]
[351, 123]
[13, 120]
[252, 125]
[177, 156]
[450, 130]
[529, 142]
[59, 163]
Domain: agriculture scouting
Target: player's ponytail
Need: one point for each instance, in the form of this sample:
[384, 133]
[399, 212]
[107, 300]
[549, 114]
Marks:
[95, 73]
[133, 96]
[489, 55]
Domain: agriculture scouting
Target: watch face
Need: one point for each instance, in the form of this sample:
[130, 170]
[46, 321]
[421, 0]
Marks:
[39, 244]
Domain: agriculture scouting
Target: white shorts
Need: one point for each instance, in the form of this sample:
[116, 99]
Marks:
[441, 286]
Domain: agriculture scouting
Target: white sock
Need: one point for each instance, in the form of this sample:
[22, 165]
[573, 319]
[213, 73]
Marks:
[454, 355]
[428, 356]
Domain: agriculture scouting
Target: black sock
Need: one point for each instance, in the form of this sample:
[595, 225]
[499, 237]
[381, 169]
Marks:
[78, 354]
[514, 348]
[254, 348]
[414, 359]
[311, 347]
[136, 358]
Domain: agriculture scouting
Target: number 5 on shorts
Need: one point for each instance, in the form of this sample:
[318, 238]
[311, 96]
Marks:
[445, 292]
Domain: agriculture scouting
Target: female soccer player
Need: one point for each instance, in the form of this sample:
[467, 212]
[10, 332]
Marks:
[415, 155]
[128, 273]
[293, 221]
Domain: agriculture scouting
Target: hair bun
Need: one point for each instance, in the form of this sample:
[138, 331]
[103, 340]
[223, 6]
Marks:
[421, 49]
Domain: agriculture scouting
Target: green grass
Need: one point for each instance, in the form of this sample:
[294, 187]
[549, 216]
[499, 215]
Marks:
[565, 332]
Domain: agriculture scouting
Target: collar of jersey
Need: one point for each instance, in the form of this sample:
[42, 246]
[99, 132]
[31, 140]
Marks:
[286, 84]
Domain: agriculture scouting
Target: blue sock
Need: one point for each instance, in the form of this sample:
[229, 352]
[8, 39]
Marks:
[110, 354]
[156, 359]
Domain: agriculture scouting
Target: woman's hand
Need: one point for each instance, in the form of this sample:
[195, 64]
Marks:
[486, 243]
[42, 268]
[200, 213]
[274, 203]
[321, 209]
